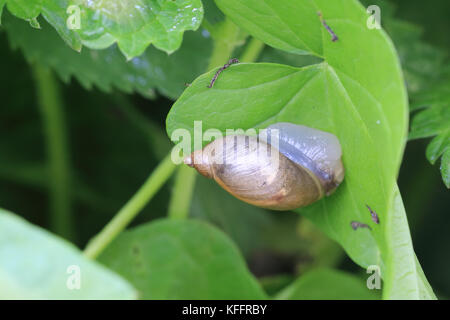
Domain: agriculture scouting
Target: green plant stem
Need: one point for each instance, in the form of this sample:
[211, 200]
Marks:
[154, 182]
[51, 107]
[180, 201]
[252, 51]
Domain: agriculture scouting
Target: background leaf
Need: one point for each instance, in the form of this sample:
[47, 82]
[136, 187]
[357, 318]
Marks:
[33, 265]
[186, 259]
[435, 121]
[421, 61]
[328, 284]
[108, 68]
[133, 24]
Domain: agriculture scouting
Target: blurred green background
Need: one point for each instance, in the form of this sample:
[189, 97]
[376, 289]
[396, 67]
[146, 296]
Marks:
[116, 140]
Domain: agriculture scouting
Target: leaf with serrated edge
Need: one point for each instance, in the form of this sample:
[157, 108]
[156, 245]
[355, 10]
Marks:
[133, 24]
[434, 120]
[108, 68]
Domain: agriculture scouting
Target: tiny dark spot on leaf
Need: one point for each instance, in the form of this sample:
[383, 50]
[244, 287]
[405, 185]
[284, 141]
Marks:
[356, 225]
[373, 215]
[135, 250]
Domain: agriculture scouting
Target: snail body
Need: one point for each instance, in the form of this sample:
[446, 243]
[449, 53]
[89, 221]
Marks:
[303, 166]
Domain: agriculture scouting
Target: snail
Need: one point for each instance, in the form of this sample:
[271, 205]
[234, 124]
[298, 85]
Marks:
[302, 166]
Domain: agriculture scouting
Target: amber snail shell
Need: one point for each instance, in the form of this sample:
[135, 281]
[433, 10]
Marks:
[309, 166]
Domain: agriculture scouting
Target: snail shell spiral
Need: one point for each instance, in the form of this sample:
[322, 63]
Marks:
[303, 166]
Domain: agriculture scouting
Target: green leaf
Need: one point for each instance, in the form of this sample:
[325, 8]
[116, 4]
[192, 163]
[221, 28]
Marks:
[421, 62]
[427, 79]
[403, 278]
[108, 68]
[328, 284]
[187, 259]
[434, 120]
[445, 166]
[35, 264]
[256, 95]
[438, 146]
[133, 24]
[25, 9]
[430, 122]
[357, 93]
[54, 11]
